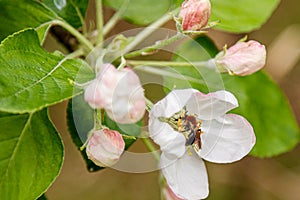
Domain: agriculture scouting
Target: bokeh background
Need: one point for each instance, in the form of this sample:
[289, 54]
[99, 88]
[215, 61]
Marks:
[252, 178]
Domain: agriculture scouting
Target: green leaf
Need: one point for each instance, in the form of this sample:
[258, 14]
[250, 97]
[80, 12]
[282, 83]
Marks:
[32, 78]
[81, 120]
[241, 16]
[73, 11]
[141, 12]
[42, 32]
[31, 155]
[16, 15]
[260, 99]
[43, 197]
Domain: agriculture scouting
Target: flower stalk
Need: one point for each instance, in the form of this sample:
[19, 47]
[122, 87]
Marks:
[155, 47]
[207, 64]
[99, 18]
[115, 18]
[151, 148]
[147, 31]
[87, 44]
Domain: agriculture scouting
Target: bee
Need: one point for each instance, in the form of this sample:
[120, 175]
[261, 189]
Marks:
[188, 125]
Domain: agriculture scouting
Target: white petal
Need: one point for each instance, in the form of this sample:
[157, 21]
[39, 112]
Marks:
[186, 176]
[172, 103]
[227, 139]
[211, 105]
[171, 142]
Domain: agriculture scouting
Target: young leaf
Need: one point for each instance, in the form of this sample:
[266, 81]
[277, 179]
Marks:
[73, 11]
[16, 15]
[260, 99]
[81, 120]
[31, 155]
[141, 12]
[241, 16]
[32, 78]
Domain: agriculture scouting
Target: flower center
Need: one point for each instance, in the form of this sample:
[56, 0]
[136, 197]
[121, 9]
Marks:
[188, 125]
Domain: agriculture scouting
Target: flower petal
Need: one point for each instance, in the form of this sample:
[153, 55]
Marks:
[186, 176]
[171, 142]
[172, 103]
[226, 139]
[211, 105]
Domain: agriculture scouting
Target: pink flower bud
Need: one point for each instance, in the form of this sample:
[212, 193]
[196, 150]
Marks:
[243, 58]
[194, 14]
[100, 92]
[128, 104]
[105, 147]
[119, 92]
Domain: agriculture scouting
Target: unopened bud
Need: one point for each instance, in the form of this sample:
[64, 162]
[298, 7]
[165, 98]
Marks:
[105, 147]
[243, 58]
[99, 92]
[119, 92]
[128, 104]
[194, 14]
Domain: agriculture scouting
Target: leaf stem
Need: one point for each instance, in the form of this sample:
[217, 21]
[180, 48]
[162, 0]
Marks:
[158, 45]
[84, 31]
[99, 18]
[75, 54]
[148, 30]
[98, 119]
[115, 18]
[74, 32]
[169, 73]
[207, 64]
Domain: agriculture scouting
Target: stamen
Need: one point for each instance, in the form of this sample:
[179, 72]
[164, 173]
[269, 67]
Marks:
[188, 125]
[189, 151]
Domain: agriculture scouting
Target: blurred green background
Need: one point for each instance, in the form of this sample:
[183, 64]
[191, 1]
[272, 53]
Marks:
[275, 178]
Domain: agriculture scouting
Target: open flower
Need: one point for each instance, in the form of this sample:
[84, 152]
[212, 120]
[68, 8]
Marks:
[194, 14]
[105, 147]
[189, 125]
[119, 92]
[243, 58]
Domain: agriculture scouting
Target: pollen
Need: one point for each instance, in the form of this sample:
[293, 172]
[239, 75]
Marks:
[188, 125]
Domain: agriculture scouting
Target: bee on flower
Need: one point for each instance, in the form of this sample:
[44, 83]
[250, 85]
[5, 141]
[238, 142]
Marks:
[190, 126]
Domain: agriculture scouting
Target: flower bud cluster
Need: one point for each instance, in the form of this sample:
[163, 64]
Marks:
[244, 58]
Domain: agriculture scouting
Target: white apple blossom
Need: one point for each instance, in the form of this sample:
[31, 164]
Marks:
[190, 126]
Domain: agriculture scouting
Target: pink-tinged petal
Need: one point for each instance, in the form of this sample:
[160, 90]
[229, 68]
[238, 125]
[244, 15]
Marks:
[94, 95]
[243, 58]
[194, 14]
[186, 176]
[171, 142]
[168, 194]
[211, 105]
[226, 139]
[105, 147]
